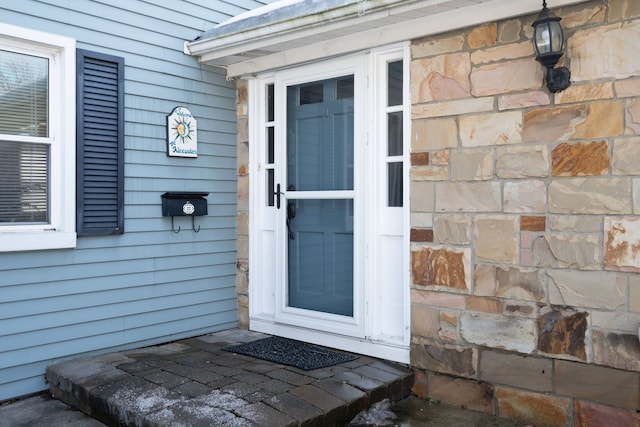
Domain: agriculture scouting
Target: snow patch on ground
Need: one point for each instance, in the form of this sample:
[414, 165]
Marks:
[379, 414]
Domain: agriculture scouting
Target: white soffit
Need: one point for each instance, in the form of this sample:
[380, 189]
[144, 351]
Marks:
[290, 32]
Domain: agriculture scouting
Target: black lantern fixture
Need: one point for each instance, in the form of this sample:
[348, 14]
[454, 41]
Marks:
[548, 42]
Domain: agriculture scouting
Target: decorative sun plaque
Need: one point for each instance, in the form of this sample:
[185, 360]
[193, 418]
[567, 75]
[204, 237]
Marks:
[182, 133]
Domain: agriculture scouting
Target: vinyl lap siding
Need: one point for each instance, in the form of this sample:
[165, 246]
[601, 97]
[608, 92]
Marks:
[148, 285]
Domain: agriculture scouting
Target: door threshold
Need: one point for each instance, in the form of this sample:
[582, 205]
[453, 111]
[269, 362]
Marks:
[380, 350]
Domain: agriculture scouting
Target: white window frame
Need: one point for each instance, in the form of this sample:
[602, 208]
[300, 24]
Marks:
[60, 231]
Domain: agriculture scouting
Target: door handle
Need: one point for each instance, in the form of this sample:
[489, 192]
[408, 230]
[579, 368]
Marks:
[277, 193]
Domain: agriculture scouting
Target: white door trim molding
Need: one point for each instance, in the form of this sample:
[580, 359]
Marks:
[382, 310]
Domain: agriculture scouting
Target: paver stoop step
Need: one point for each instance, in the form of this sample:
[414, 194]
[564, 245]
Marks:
[193, 382]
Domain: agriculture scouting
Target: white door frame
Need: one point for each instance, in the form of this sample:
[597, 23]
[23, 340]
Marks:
[365, 333]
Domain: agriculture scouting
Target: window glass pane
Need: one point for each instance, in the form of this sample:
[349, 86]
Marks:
[321, 256]
[270, 145]
[345, 88]
[394, 175]
[270, 103]
[394, 83]
[270, 188]
[394, 134]
[320, 140]
[24, 192]
[311, 94]
[24, 83]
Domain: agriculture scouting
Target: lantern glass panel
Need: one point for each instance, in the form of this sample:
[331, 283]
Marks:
[556, 36]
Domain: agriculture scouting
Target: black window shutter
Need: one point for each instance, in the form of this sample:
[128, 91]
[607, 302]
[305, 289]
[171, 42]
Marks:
[100, 144]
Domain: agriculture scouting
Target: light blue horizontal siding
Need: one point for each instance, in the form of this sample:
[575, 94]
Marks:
[148, 285]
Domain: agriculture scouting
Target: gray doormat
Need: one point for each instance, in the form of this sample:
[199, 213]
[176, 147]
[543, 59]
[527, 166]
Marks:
[302, 355]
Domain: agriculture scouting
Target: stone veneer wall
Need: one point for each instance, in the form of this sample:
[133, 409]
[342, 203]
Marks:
[242, 275]
[525, 220]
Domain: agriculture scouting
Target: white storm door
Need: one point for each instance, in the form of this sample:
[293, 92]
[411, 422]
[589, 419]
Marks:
[318, 179]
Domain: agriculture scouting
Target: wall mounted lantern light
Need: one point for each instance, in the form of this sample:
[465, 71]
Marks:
[548, 42]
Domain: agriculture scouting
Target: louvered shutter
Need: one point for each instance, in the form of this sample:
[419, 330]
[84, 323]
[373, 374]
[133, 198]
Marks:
[100, 144]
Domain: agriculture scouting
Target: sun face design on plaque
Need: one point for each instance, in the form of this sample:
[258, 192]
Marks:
[182, 133]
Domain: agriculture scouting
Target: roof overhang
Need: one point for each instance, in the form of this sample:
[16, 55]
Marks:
[291, 32]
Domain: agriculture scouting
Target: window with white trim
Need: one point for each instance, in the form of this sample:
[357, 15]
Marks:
[37, 140]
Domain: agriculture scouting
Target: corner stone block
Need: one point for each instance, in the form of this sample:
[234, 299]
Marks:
[598, 383]
[497, 239]
[461, 392]
[453, 360]
[499, 332]
[580, 159]
[622, 246]
[563, 333]
[616, 350]
[589, 414]
[531, 161]
[535, 408]
[532, 373]
[593, 195]
[441, 267]
[587, 289]
[612, 61]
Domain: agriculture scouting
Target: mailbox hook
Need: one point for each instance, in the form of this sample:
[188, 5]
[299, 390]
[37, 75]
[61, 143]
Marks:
[193, 225]
[173, 228]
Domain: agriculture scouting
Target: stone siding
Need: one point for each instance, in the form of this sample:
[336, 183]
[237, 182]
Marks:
[525, 220]
[242, 274]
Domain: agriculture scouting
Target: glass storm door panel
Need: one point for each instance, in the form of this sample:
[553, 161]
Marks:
[319, 189]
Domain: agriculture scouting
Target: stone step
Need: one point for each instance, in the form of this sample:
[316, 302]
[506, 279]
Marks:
[193, 382]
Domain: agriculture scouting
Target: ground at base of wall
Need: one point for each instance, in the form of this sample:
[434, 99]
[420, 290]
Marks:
[413, 411]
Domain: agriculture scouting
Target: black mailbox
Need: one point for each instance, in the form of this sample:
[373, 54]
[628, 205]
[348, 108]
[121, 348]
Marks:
[184, 203]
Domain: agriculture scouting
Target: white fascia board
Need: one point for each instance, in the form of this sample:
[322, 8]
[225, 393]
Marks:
[262, 37]
[467, 16]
